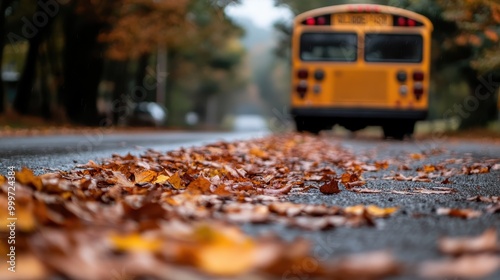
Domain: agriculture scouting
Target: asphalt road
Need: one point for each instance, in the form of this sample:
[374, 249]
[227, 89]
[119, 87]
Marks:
[47, 153]
[411, 234]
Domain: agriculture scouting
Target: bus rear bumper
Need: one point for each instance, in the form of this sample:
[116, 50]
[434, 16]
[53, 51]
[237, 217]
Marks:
[359, 113]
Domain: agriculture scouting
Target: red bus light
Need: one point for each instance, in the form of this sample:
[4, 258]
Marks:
[411, 22]
[302, 89]
[418, 76]
[418, 90]
[321, 21]
[311, 21]
[401, 21]
[302, 74]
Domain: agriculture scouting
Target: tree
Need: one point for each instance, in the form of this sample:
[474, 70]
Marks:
[39, 32]
[3, 8]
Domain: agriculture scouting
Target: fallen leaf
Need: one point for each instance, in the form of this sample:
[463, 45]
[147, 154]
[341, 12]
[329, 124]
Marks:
[486, 199]
[145, 176]
[416, 156]
[26, 177]
[331, 187]
[486, 242]
[435, 190]
[176, 181]
[378, 212]
[201, 184]
[467, 266]
[134, 243]
[372, 265]
[459, 213]
[365, 190]
[161, 179]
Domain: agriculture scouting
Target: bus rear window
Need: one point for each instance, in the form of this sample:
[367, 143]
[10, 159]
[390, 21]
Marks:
[328, 46]
[393, 48]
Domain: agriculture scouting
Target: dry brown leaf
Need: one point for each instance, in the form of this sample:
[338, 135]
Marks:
[331, 187]
[436, 190]
[468, 266]
[201, 184]
[373, 265]
[145, 176]
[365, 190]
[484, 243]
[459, 213]
[371, 210]
[486, 199]
[378, 212]
[176, 181]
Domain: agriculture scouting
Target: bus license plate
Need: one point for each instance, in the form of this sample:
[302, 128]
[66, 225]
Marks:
[362, 19]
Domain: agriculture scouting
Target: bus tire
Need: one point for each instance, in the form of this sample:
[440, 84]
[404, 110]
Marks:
[393, 131]
[307, 125]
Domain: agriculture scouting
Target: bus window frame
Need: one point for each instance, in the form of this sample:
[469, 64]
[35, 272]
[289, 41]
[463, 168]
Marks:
[355, 47]
[422, 48]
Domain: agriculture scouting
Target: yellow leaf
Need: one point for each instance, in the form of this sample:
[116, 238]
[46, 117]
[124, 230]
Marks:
[258, 152]
[135, 243]
[416, 156]
[146, 176]
[355, 210]
[176, 181]
[378, 212]
[24, 213]
[429, 168]
[371, 210]
[26, 177]
[225, 253]
[162, 179]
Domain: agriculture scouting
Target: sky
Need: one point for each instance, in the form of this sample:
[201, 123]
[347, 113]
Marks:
[261, 12]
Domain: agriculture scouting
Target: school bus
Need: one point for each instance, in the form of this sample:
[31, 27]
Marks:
[358, 65]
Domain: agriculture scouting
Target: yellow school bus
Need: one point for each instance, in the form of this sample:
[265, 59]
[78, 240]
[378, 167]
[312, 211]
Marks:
[357, 65]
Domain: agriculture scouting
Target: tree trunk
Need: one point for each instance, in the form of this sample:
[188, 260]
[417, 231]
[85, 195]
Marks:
[83, 66]
[119, 76]
[479, 107]
[3, 7]
[25, 87]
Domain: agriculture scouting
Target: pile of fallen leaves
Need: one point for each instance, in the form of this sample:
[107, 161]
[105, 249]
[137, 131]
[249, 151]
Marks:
[174, 215]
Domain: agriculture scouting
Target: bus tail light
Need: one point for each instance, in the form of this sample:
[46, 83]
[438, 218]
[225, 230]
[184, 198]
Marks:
[302, 89]
[418, 76]
[418, 90]
[302, 74]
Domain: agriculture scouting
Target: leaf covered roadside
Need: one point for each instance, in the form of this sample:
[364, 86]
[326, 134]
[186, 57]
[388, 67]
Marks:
[174, 214]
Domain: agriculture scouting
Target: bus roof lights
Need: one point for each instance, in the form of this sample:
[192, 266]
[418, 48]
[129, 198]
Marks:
[311, 21]
[411, 22]
[321, 21]
[401, 21]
